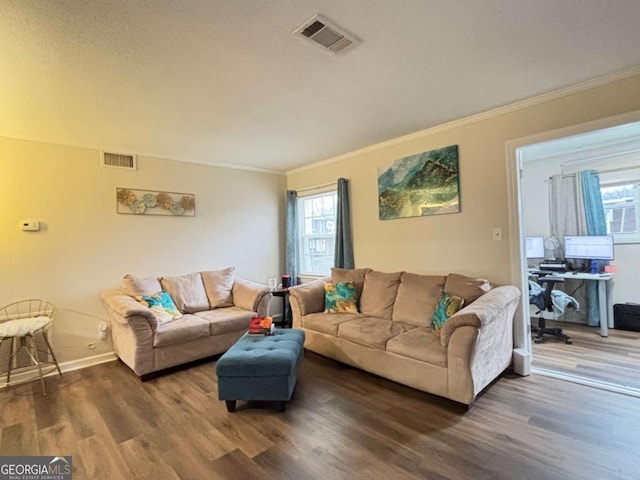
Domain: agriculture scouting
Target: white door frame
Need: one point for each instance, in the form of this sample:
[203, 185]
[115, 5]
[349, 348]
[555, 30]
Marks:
[521, 327]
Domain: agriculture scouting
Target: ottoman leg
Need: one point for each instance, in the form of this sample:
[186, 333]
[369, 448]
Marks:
[231, 405]
[282, 405]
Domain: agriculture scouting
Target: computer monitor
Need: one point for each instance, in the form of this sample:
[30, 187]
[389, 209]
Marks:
[535, 247]
[593, 247]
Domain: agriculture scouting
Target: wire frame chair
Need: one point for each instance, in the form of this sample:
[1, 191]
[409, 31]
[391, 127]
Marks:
[20, 323]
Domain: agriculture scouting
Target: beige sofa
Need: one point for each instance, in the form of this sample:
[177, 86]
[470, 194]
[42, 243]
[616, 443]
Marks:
[216, 310]
[391, 334]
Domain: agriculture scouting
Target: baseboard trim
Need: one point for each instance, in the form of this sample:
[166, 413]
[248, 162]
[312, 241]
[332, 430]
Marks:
[589, 382]
[72, 365]
[65, 367]
[522, 362]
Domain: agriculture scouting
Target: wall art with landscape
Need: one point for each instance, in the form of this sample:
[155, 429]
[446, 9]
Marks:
[419, 185]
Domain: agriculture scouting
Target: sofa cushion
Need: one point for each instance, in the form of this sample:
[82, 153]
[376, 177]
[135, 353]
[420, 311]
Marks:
[447, 306]
[340, 297]
[135, 286]
[417, 298]
[186, 328]
[419, 344]
[228, 319]
[162, 305]
[466, 287]
[371, 332]
[309, 297]
[187, 291]
[355, 275]
[326, 323]
[379, 294]
[218, 285]
[249, 295]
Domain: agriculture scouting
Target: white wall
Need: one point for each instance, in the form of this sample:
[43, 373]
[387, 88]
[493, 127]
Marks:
[535, 196]
[535, 218]
[84, 247]
[625, 283]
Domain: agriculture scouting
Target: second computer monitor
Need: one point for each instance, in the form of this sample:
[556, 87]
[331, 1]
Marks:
[535, 247]
[592, 247]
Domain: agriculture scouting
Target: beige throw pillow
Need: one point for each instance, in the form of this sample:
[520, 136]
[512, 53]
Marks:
[135, 286]
[218, 285]
[187, 292]
[379, 294]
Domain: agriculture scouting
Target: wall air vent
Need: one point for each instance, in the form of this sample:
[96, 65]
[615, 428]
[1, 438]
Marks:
[325, 34]
[119, 160]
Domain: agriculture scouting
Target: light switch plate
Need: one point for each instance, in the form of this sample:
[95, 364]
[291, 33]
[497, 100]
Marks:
[496, 234]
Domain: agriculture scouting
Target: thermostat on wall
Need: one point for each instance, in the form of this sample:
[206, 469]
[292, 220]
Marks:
[30, 225]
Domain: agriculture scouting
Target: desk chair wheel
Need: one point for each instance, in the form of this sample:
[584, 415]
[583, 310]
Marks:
[542, 330]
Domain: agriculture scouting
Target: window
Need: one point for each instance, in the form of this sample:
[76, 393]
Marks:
[317, 230]
[622, 210]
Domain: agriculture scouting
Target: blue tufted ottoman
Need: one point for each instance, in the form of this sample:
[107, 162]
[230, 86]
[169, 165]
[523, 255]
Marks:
[261, 368]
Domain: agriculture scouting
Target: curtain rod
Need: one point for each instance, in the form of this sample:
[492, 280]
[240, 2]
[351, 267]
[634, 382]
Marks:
[316, 187]
[604, 170]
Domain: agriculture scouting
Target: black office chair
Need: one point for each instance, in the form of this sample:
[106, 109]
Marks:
[544, 302]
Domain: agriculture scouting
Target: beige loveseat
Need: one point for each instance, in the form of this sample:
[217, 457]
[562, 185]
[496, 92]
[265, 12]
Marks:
[391, 334]
[216, 310]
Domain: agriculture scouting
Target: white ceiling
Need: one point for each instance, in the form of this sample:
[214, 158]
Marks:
[227, 82]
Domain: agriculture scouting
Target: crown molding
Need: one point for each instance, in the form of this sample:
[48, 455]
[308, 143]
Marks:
[495, 112]
[142, 153]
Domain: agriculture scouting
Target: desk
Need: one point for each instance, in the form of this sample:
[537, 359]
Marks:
[286, 309]
[604, 295]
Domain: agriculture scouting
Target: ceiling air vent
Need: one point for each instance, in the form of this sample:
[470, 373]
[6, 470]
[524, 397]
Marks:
[119, 160]
[325, 34]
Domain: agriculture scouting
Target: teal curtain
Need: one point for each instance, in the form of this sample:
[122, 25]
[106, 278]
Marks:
[343, 257]
[589, 181]
[291, 254]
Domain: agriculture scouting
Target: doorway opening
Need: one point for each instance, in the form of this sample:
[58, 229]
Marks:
[610, 147]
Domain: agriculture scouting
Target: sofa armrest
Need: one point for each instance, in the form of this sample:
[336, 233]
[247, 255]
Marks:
[125, 310]
[489, 308]
[479, 342]
[307, 298]
[251, 296]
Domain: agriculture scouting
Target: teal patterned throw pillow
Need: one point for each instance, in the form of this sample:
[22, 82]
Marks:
[162, 305]
[340, 297]
[447, 306]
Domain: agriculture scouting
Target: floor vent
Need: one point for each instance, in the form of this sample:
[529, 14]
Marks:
[325, 34]
[119, 160]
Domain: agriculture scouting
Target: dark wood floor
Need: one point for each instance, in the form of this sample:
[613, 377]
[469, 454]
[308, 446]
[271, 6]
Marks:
[341, 424]
[614, 359]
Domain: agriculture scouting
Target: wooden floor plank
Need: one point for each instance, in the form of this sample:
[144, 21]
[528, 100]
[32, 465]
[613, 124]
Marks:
[613, 359]
[342, 423]
[236, 464]
[97, 457]
[145, 461]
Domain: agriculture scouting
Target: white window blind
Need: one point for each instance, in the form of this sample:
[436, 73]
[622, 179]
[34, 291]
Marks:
[316, 233]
